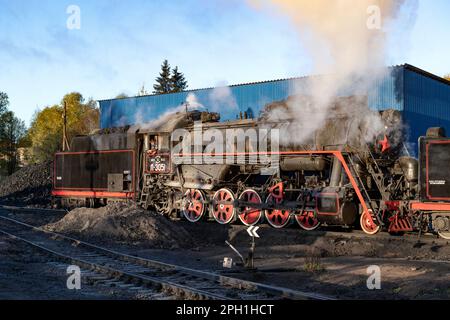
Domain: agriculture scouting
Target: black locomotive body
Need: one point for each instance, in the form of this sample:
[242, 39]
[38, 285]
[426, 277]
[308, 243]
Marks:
[322, 180]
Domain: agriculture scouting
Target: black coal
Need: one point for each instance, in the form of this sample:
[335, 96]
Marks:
[30, 186]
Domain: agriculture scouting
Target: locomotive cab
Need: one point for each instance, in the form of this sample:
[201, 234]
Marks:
[157, 153]
[434, 180]
[434, 157]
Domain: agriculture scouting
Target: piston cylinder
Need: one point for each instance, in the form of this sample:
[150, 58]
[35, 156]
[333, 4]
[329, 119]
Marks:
[334, 209]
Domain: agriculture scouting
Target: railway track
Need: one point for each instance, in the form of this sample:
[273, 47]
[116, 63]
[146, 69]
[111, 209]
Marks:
[168, 279]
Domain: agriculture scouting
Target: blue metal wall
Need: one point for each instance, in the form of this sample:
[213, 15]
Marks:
[386, 93]
[427, 104]
[423, 98]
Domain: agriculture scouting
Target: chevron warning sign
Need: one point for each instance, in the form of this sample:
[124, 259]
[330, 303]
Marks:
[252, 231]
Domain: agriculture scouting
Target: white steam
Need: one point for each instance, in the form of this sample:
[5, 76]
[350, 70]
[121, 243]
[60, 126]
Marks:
[192, 103]
[222, 97]
[168, 117]
[347, 40]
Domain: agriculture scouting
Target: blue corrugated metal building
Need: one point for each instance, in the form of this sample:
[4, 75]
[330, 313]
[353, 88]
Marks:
[423, 99]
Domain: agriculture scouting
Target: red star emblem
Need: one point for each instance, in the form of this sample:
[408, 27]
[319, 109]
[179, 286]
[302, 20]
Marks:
[385, 145]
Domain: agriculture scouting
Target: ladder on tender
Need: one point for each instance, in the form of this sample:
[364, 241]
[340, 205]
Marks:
[378, 175]
[145, 193]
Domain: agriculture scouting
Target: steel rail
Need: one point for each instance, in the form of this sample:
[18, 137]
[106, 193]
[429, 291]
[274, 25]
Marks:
[221, 281]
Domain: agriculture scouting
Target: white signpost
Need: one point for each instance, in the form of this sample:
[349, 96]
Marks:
[252, 232]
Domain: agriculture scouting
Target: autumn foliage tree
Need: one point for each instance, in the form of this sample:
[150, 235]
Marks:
[46, 130]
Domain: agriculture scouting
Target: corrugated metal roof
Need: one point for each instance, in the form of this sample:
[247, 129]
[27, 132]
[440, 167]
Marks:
[234, 85]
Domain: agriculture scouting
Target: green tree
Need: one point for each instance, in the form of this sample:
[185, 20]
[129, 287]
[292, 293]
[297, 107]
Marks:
[178, 81]
[4, 102]
[163, 82]
[46, 128]
[11, 132]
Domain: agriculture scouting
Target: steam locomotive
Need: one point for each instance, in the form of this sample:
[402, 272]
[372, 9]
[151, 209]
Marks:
[335, 176]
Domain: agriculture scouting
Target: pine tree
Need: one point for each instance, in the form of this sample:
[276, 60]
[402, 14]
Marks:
[163, 82]
[178, 81]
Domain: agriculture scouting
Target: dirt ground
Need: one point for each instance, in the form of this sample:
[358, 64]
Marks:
[28, 275]
[331, 262]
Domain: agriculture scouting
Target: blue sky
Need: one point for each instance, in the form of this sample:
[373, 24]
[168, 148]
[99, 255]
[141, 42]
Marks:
[121, 45]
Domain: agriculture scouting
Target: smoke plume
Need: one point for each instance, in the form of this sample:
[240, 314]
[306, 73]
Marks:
[347, 41]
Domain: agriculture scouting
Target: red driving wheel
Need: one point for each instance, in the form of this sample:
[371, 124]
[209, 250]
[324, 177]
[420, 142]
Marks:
[277, 218]
[307, 220]
[248, 215]
[194, 206]
[222, 206]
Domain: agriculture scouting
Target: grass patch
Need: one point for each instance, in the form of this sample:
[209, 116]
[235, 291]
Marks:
[397, 290]
[313, 264]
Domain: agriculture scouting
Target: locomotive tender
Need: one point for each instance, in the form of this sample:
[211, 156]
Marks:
[332, 178]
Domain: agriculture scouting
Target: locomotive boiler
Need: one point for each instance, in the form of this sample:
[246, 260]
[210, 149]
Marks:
[340, 173]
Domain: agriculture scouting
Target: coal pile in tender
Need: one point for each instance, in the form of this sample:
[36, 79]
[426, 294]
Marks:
[123, 222]
[30, 186]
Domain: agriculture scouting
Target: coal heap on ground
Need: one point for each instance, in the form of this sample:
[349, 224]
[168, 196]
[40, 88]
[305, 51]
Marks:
[30, 186]
[123, 222]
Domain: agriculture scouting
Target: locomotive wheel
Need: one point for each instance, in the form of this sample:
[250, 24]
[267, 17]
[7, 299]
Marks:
[250, 216]
[367, 225]
[223, 213]
[307, 220]
[194, 206]
[445, 235]
[275, 217]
